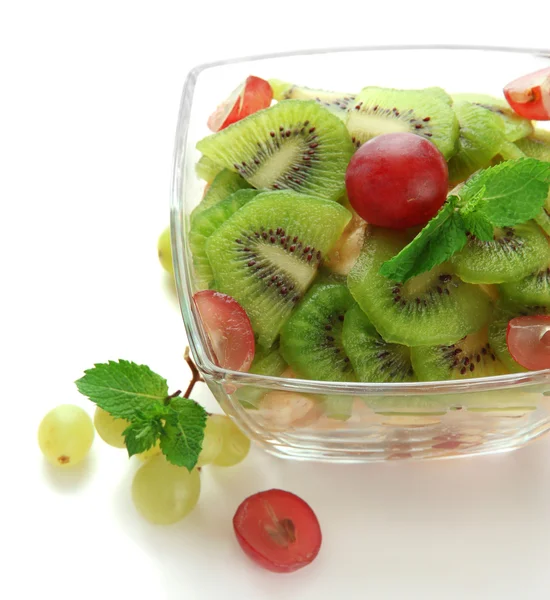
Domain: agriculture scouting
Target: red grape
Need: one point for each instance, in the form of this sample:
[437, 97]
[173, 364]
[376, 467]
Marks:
[529, 95]
[528, 340]
[278, 530]
[397, 180]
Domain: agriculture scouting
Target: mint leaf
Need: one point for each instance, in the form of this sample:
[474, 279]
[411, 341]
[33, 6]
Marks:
[444, 235]
[124, 389]
[181, 441]
[514, 191]
[479, 226]
[142, 435]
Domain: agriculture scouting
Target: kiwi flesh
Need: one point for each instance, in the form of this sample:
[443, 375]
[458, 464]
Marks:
[372, 359]
[336, 102]
[311, 339]
[515, 127]
[513, 254]
[470, 357]
[481, 138]
[205, 224]
[533, 290]
[536, 145]
[207, 169]
[223, 185]
[433, 308]
[266, 255]
[295, 144]
[427, 113]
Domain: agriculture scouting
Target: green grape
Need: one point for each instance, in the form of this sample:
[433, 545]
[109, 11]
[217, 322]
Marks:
[153, 451]
[65, 435]
[164, 493]
[110, 429]
[165, 251]
[212, 442]
[235, 444]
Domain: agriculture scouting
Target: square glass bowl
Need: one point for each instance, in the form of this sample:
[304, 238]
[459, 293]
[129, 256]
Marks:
[355, 422]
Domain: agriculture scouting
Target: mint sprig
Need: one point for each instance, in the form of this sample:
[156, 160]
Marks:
[508, 194]
[135, 393]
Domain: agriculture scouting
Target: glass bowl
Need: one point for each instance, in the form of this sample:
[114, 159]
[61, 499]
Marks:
[355, 422]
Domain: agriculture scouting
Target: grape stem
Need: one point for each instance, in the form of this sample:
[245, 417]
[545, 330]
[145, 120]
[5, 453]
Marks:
[196, 376]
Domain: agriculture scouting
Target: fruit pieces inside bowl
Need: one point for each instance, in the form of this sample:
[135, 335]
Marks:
[380, 236]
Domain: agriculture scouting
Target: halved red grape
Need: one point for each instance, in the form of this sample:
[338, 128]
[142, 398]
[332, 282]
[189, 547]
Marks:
[529, 95]
[278, 530]
[228, 328]
[397, 180]
[252, 95]
[528, 340]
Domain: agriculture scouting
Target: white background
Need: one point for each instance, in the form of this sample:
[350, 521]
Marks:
[89, 93]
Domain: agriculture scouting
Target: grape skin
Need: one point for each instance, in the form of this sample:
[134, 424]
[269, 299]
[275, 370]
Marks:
[212, 443]
[65, 435]
[164, 493]
[164, 249]
[235, 445]
[110, 429]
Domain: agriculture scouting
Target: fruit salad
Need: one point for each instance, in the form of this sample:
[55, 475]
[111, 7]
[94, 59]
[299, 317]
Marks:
[384, 235]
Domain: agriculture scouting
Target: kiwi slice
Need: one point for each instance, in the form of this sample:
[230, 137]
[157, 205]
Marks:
[480, 139]
[204, 225]
[267, 254]
[515, 127]
[336, 102]
[470, 357]
[296, 145]
[427, 113]
[224, 184]
[514, 253]
[536, 145]
[533, 290]
[311, 340]
[373, 359]
[433, 308]
[207, 169]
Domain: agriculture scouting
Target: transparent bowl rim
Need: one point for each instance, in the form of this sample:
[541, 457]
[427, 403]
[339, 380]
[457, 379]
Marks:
[197, 338]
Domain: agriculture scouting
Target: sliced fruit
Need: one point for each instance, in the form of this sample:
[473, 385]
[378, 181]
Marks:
[267, 254]
[296, 145]
[224, 184]
[207, 169]
[515, 127]
[278, 530]
[480, 139]
[529, 95]
[336, 102]
[205, 224]
[228, 328]
[311, 340]
[514, 253]
[470, 357]
[424, 112]
[433, 308]
[372, 359]
[252, 95]
[397, 180]
[533, 290]
[536, 145]
[528, 340]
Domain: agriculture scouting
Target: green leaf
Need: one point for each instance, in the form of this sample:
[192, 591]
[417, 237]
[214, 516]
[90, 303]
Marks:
[479, 226]
[515, 191]
[181, 441]
[124, 389]
[444, 235]
[142, 435]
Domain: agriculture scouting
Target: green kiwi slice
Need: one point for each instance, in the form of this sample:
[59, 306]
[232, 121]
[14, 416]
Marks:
[373, 359]
[427, 113]
[295, 144]
[533, 290]
[205, 224]
[536, 145]
[433, 308]
[207, 169]
[224, 184]
[515, 127]
[480, 139]
[336, 102]
[470, 357]
[514, 253]
[311, 340]
[266, 255]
